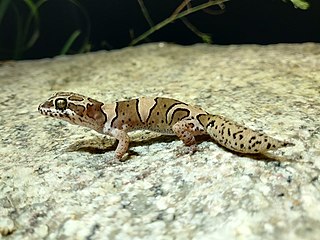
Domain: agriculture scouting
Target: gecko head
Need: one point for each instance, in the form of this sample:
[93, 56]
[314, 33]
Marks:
[74, 108]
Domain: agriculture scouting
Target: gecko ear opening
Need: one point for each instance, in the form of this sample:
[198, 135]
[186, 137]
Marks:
[61, 104]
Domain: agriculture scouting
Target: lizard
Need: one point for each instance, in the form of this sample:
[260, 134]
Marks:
[164, 115]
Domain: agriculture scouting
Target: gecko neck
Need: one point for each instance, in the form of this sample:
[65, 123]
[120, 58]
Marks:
[89, 115]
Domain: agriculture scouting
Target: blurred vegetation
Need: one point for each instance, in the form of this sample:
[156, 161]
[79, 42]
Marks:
[302, 4]
[23, 16]
[24, 19]
[27, 28]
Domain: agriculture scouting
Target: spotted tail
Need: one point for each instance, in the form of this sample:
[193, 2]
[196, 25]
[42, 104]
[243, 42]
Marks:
[239, 138]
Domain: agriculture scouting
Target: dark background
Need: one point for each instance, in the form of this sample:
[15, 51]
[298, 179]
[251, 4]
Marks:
[110, 24]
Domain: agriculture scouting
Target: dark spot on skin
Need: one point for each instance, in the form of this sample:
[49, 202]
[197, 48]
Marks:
[211, 124]
[122, 121]
[256, 150]
[123, 113]
[241, 145]
[129, 119]
[222, 124]
[158, 113]
[229, 133]
[252, 138]
[235, 134]
[162, 121]
[273, 146]
[128, 105]
[240, 136]
[265, 140]
[268, 146]
[164, 105]
[216, 127]
[152, 121]
[249, 147]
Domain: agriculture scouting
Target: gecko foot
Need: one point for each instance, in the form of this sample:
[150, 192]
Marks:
[186, 150]
[114, 160]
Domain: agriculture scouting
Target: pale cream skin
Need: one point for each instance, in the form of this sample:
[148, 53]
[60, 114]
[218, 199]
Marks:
[163, 115]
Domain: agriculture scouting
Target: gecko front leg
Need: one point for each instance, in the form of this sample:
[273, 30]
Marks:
[123, 139]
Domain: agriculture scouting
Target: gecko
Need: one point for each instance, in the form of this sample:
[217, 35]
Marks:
[163, 115]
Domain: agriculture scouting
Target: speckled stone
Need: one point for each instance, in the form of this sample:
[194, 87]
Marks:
[57, 182]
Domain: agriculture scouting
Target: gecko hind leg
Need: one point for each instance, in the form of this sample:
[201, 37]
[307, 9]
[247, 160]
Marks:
[186, 130]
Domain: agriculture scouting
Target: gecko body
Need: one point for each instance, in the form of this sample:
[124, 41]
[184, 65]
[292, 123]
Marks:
[163, 115]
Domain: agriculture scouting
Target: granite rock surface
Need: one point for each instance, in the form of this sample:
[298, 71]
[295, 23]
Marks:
[57, 182]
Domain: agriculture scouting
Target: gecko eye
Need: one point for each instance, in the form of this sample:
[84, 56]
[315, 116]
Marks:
[61, 104]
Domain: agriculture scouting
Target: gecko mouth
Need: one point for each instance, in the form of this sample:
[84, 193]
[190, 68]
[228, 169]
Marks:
[50, 113]
[46, 112]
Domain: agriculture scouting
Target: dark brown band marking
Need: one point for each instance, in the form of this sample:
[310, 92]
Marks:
[172, 105]
[151, 110]
[77, 98]
[199, 120]
[180, 110]
[137, 110]
[117, 113]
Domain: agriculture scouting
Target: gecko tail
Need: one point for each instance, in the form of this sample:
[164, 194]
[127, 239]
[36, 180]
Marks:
[239, 138]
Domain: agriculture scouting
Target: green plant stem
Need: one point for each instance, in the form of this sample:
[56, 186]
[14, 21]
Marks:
[145, 13]
[69, 42]
[204, 36]
[174, 17]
